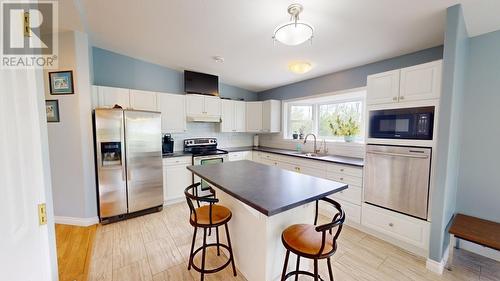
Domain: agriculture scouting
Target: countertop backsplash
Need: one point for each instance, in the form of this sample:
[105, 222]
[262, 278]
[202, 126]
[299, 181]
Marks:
[354, 149]
[211, 130]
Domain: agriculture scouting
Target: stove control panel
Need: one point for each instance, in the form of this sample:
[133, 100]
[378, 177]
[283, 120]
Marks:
[200, 142]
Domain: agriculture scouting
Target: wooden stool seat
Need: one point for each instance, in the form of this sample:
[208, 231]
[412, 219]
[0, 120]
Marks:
[220, 215]
[304, 239]
[316, 242]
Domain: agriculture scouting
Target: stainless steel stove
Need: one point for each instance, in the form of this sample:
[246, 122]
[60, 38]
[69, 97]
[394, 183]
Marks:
[205, 152]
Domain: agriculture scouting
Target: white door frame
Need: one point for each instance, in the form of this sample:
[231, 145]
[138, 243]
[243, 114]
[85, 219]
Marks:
[27, 249]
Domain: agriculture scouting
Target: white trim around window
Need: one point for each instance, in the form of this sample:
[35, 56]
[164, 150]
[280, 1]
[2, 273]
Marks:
[346, 96]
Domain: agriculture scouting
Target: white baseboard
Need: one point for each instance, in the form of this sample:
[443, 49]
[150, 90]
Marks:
[76, 221]
[480, 250]
[438, 267]
[174, 201]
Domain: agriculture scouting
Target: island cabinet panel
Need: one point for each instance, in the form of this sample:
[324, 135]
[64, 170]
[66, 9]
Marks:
[353, 194]
[176, 177]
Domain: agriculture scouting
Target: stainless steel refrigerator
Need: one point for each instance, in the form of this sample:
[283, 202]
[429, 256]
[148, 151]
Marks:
[128, 162]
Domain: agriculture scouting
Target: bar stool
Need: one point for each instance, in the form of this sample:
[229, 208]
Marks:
[313, 242]
[207, 217]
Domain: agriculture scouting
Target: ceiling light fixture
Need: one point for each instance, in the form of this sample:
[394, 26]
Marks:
[299, 67]
[218, 59]
[294, 32]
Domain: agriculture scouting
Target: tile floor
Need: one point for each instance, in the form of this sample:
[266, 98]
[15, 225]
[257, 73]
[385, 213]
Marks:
[156, 247]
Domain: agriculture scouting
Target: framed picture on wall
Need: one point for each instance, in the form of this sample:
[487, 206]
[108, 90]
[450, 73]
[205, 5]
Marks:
[52, 110]
[61, 82]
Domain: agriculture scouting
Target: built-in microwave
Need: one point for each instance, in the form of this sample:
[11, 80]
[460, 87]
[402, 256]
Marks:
[402, 123]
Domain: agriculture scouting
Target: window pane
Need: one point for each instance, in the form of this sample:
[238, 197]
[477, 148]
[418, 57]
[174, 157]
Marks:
[346, 111]
[301, 119]
[300, 112]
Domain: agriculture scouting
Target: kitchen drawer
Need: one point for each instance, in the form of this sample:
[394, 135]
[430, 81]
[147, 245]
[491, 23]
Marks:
[399, 226]
[352, 195]
[240, 155]
[350, 180]
[268, 156]
[177, 161]
[352, 211]
[345, 170]
[313, 164]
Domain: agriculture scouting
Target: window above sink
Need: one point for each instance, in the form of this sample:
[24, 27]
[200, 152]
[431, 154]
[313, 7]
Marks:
[314, 114]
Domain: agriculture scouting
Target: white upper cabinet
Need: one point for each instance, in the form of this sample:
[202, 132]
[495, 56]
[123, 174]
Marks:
[203, 108]
[254, 116]
[173, 112]
[212, 105]
[233, 116]
[421, 82]
[228, 115]
[383, 87]
[195, 104]
[271, 116]
[108, 97]
[240, 110]
[143, 100]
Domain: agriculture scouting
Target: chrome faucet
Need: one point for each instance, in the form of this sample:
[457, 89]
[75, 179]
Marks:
[305, 140]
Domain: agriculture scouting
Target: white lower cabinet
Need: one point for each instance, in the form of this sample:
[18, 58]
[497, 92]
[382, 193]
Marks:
[404, 228]
[176, 177]
[240, 155]
[352, 211]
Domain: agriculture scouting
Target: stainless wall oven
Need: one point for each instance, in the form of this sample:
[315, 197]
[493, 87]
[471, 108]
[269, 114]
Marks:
[397, 178]
[402, 123]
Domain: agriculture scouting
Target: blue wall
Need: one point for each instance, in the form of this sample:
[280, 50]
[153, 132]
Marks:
[116, 70]
[479, 180]
[450, 130]
[350, 78]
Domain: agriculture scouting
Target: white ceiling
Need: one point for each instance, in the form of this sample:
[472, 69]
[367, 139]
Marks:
[186, 34]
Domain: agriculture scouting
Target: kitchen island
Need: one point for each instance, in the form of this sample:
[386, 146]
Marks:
[264, 201]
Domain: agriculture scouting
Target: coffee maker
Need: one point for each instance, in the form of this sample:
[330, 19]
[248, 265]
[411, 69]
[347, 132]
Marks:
[168, 144]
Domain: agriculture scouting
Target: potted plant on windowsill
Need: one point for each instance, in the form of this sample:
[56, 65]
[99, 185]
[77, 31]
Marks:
[347, 127]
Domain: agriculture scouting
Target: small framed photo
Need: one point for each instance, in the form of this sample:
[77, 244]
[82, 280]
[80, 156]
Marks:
[52, 110]
[61, 82]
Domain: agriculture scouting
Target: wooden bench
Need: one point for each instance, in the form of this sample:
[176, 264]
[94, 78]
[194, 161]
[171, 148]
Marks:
[482, 232]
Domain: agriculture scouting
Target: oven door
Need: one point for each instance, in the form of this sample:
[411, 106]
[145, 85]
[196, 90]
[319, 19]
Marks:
[207, 160]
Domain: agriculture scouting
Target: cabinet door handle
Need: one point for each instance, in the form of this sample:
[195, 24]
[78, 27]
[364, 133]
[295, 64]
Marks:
[395, 98]
[341, 179]
[391, 224]
[401, 97]
[341, 170]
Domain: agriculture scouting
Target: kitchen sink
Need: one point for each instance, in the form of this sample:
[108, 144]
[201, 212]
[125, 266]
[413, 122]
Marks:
[310, 154]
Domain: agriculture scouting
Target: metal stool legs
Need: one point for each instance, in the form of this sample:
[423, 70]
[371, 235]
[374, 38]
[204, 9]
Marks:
[297, 272]
[203, 250]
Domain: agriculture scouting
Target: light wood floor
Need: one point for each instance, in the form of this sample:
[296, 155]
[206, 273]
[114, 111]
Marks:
[74, 250]
[156, 247]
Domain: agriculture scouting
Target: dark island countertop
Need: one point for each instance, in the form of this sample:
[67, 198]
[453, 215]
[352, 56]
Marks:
[269, 190]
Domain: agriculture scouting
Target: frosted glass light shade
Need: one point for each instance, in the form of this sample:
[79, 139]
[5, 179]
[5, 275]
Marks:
[299, 67]
[293, 33]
